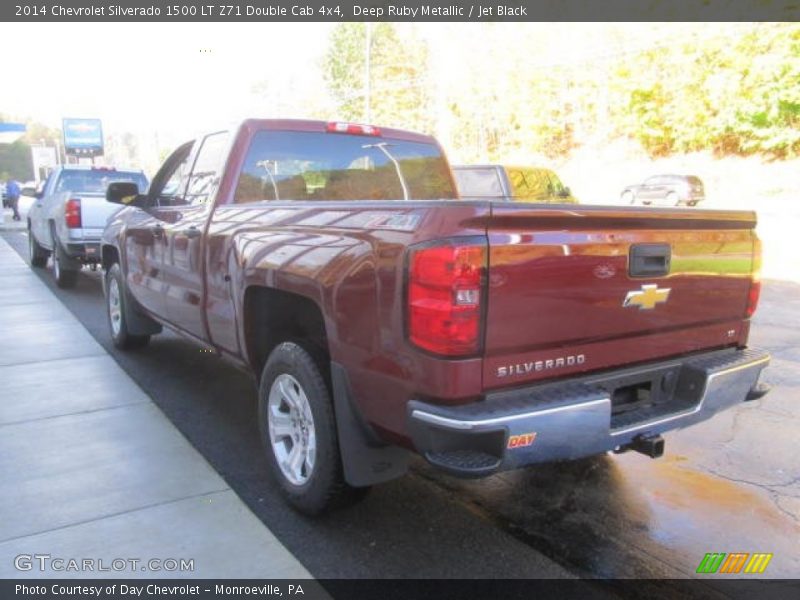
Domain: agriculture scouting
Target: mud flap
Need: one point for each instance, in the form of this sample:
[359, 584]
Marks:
[365, 458]
[138, 323]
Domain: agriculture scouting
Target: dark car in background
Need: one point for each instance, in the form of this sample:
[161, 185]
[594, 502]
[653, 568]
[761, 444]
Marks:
[670, 190]
[515, 184]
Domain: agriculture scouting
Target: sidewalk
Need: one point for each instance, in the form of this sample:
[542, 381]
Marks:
[6, 222]
[91, 469]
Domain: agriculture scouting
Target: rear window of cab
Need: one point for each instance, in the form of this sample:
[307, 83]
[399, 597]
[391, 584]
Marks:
[294, 165]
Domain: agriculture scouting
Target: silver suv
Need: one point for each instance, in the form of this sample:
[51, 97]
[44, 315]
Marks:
[670, 190]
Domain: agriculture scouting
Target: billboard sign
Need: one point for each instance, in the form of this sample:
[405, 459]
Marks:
[11, 132]
[83, 137]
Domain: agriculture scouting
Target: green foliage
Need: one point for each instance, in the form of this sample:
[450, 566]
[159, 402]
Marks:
[731, 96]
[725, 88]
[397, 70]
[15, 161]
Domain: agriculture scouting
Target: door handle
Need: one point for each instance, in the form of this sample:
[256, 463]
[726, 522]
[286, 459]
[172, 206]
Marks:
[192, 232]
[649, 260]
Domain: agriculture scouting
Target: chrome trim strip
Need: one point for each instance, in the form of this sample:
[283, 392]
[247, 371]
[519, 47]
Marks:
[466, 425]
[699, 406]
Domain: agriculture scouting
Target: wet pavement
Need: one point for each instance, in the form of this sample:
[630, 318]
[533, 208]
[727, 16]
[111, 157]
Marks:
[731, 484]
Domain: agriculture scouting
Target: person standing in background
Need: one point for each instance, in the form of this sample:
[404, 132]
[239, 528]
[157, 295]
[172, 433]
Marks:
[12, 193]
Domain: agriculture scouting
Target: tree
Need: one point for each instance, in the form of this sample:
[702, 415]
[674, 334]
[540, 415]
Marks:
[398, 75]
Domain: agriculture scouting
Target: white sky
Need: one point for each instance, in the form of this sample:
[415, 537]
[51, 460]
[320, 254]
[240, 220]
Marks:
[153, 77]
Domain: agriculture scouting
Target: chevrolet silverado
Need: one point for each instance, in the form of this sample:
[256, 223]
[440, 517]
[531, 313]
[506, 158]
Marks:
[382, 315]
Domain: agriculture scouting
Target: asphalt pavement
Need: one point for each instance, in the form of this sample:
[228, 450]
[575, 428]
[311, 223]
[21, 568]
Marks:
[731, 484]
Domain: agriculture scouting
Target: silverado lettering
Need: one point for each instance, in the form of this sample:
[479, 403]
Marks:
[541, 365]
[383, 315]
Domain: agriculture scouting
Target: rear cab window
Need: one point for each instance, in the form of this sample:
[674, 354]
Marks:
[95, 181]
[299, 165]
[478, 182]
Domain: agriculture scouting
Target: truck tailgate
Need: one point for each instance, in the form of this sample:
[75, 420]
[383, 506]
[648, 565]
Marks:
[95, 211]
[582, 288]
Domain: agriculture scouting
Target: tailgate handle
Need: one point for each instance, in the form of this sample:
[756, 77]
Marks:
[649, 260]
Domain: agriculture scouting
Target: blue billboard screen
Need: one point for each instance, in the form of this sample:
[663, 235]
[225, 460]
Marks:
[83, 136]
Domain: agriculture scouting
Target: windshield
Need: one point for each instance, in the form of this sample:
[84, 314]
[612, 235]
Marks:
[95, 181]
[293, 165]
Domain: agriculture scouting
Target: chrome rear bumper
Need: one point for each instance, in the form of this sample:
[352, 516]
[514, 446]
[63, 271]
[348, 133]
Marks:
[580, 417]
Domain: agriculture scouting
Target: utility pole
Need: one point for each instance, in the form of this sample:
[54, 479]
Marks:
[367, 49]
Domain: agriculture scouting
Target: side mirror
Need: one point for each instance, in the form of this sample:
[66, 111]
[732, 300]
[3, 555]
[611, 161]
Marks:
[125, 193]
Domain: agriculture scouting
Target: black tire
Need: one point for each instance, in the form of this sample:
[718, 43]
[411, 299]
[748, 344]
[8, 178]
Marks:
[324, 488]
[116, 311]
[38, 255]
[65, 277]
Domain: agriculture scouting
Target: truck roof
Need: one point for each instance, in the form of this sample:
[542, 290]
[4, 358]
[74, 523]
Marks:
[252, 125]
[98, 168]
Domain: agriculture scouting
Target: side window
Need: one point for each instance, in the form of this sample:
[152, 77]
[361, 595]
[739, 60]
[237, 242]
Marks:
[529, 183]
[172, 192]
[205, 176]
[169, 184]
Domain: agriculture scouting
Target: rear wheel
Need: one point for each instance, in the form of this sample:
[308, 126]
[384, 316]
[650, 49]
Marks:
[38, 255]
[115, 309]
[298, 431]
[66, 277]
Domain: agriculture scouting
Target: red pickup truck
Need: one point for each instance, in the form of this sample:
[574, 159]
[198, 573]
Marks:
[383, 315]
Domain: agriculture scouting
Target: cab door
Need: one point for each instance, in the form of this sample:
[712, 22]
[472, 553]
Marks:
[183, 238]
[144, 237]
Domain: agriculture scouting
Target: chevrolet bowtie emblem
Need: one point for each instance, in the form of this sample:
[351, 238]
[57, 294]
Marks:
[647, 297]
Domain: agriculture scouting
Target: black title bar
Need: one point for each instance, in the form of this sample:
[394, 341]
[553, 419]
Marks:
[401, 10]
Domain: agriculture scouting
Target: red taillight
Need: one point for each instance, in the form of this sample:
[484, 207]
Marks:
[445, 293]
[72, 213]
[352, 128]
[755, 283]
[752, 298]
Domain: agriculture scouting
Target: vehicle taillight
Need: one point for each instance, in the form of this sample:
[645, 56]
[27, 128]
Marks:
[352, 128]
[755, 281]
[445, 293]
[72, 213]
